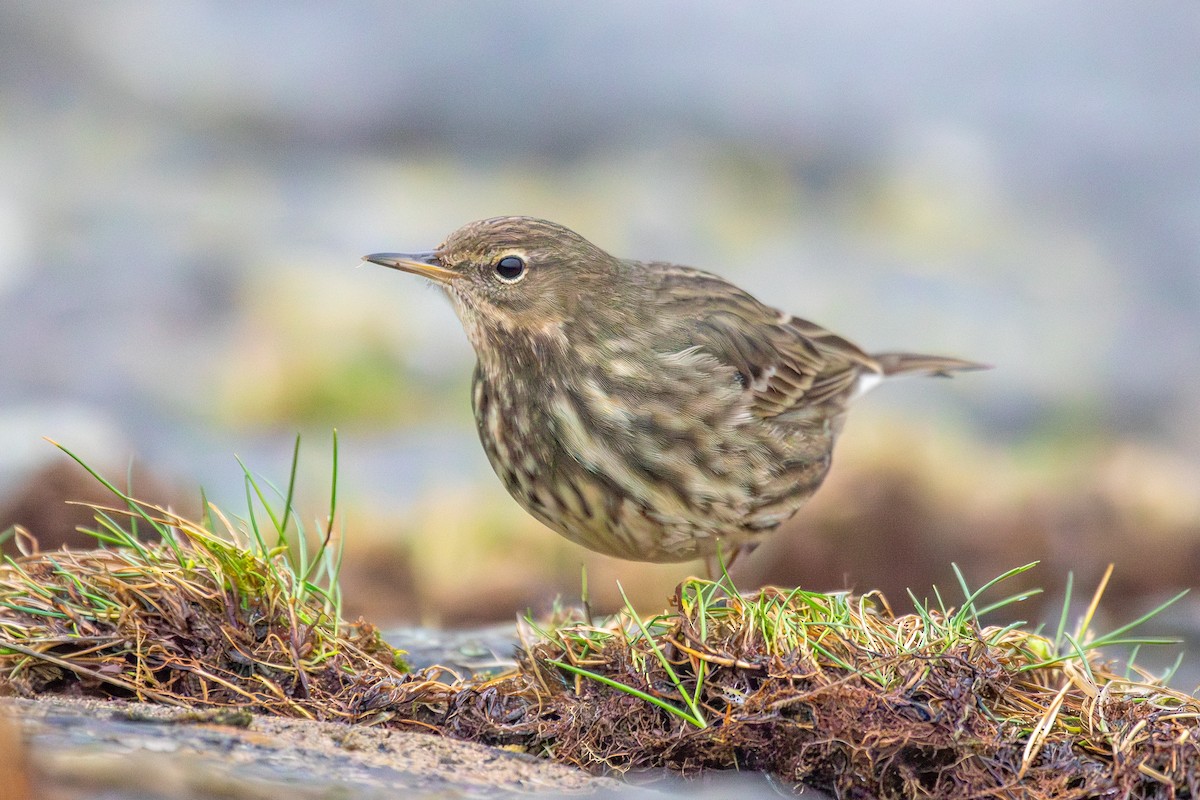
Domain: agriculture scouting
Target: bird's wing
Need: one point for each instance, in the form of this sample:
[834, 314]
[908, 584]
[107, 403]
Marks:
[831, 377]
[788, 363]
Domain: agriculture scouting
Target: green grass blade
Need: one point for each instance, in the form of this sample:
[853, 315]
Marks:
[969, 603]
[1018, 597]
[1066, 608]
[662, 658]
[1171, 670]
[638, 693]
[291, 491]
[1114, 636]
[333, 486]
[259, 543]
[134, 506]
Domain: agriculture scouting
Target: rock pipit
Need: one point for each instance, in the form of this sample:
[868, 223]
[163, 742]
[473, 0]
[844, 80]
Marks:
[648, 411]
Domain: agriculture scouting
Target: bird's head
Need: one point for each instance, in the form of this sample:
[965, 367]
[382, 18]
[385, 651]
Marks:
[510, 274]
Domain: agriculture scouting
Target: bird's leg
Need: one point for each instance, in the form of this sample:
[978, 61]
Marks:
[717, 565]
[583, 596]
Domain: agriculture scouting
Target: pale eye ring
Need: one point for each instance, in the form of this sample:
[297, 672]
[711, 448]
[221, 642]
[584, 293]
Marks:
[510, 269]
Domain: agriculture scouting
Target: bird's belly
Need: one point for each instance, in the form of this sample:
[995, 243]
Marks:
[642, 497]
[591, 511]
[592, 508]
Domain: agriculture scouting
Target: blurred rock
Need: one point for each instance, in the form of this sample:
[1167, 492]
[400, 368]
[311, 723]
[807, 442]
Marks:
[897, 526]
[14, 764]
[51, 503]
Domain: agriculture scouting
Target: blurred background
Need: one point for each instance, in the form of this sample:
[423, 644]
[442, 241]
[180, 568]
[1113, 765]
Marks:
[186, 189]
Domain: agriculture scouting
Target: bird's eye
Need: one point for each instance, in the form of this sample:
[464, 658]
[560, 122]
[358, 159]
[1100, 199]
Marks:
[510, 269]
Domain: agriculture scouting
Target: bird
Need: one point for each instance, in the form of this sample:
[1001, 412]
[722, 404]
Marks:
[645, 410]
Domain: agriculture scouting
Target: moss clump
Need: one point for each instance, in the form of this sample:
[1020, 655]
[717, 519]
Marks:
[209, 613]
[197, 622]
[834, 691]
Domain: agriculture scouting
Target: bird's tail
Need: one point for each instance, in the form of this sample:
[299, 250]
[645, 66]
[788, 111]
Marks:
[901, 363]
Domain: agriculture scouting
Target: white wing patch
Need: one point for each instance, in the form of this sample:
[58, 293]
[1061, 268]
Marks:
[866, 382]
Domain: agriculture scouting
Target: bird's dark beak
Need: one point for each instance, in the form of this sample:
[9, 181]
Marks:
[427, 265]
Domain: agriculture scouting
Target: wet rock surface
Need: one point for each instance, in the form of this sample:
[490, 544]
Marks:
[58, 748]
[95, 749]
[469, 651]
